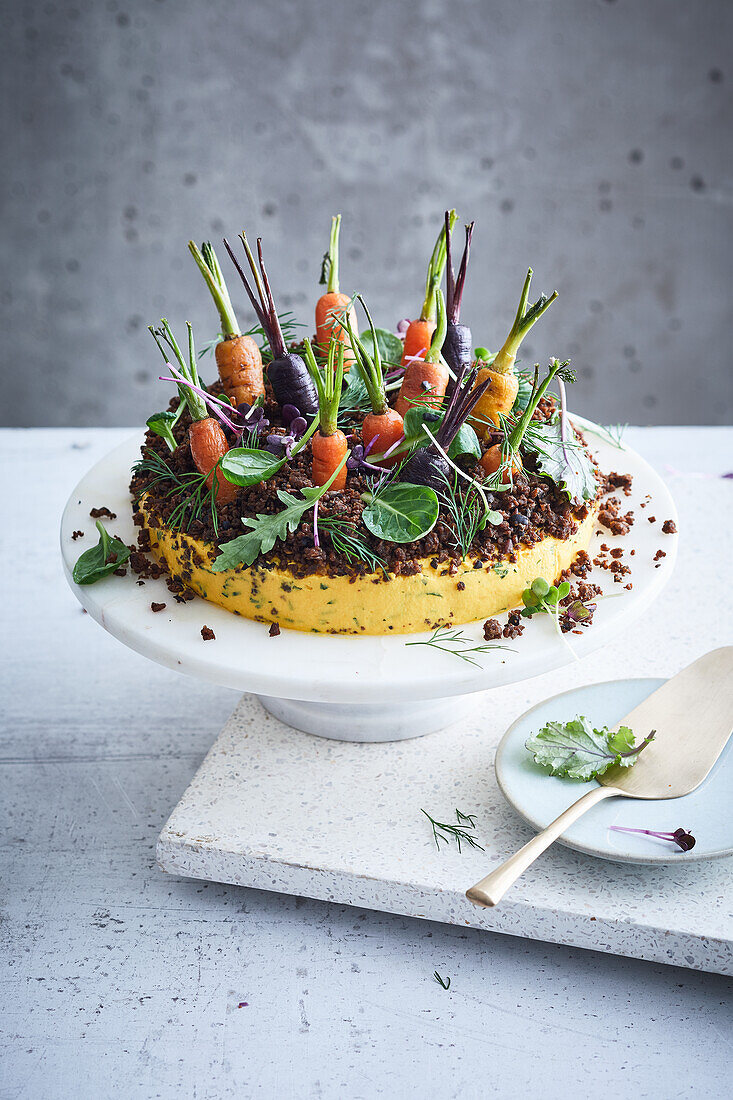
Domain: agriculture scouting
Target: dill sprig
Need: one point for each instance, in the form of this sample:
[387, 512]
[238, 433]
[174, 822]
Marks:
[465, 513]
[195, 495]
[289, 327]
[346, 540]
[453, 640]
[462, 832]
[611, 433]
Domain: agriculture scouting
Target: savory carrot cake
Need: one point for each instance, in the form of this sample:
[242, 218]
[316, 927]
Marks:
[363, 480]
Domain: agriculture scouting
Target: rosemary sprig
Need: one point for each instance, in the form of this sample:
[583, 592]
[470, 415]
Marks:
[346, 540]
[462, 832]
[456, 642]
[195, 495]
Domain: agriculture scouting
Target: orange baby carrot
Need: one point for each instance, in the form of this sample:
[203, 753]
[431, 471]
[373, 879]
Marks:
[333, 307]
[328, 445]
[238, 358]
[425, 380]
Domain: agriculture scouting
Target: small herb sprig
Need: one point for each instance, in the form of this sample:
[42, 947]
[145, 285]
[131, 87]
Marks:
[444, 983]
[466, 513]
[346, 540]
[462, 832]
[196, 497]
[456, 642]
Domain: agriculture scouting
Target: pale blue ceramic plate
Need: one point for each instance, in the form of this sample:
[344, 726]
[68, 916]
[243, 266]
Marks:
[539, 798]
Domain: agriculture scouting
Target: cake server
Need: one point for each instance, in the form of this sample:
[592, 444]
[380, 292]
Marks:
[693, 717]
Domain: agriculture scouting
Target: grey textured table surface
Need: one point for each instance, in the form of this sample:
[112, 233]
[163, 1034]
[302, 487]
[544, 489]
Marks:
[119, 981]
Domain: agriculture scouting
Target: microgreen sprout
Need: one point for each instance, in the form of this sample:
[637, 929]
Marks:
[681, 837]
[543, 598]
[462, 832]
[444, 983]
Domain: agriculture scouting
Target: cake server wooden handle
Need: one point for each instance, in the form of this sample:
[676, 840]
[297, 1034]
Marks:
[490, 890]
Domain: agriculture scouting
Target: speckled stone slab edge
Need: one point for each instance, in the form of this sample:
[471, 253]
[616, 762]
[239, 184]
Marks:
[276, 809]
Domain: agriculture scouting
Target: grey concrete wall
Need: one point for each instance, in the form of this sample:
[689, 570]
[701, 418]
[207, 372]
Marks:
[590, 139]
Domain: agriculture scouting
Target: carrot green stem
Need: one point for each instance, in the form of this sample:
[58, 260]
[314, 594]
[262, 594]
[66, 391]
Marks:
[434, 352]
[369, 366]
[436, 266]
[164, 336]
[525, 318]
[331, 259]
[538, 390]
[328, 384]
[209, 267]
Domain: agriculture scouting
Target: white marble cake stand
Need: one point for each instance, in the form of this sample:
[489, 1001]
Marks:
[354, 688]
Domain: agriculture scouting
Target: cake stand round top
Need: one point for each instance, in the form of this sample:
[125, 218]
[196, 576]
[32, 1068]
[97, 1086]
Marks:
[345, 668]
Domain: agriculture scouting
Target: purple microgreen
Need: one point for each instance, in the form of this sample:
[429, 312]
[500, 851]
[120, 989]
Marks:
[212, 404]
[357, 461]
[681, 837]
[402, 326]
[289, 412]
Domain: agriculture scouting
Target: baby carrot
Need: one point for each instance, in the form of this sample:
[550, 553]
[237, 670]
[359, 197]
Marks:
[205, 435]
[328, 445]
[425, 380]
[382, 427]
[238, 358]
[420, 331]
[502, 393]
[333, 307]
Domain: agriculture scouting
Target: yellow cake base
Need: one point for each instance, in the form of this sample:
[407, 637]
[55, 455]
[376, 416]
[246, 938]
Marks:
[369, 604]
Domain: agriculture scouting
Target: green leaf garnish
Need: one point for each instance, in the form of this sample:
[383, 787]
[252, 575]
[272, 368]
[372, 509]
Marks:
[249, 465]
[569, 467]
[100, 560]
[575, 750]
[267, 530]
[402, 512]
[163, 423]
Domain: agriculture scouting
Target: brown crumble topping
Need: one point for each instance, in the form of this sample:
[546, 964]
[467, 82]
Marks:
[207, 634]
[274, 630]
[157, 606]
[669, 527]
[99, 513]
[492, 630]
[77, 535]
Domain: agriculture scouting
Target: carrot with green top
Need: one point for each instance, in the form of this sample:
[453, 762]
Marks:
[382, 427]
[420, 331]
[333, 307]
[504, 458]
[205, 435]
[425, 380]
[238, 358]
[328, 446]
[502, 393]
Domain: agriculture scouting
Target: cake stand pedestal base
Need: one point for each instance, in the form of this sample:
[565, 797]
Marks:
[371, 721]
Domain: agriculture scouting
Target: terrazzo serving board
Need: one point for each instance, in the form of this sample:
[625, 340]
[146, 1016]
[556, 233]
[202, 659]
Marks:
[277, 809]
